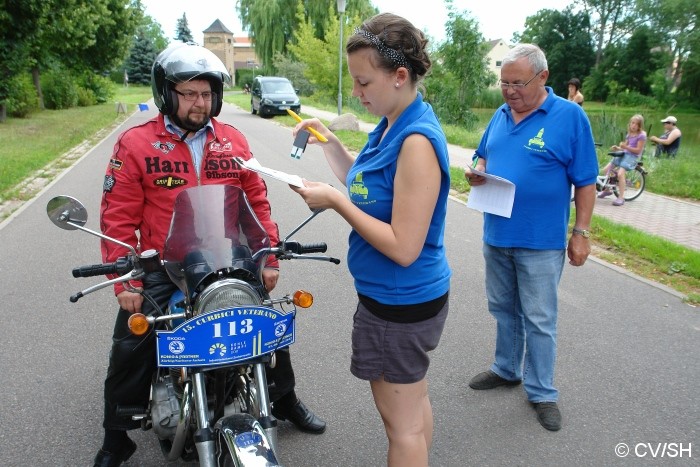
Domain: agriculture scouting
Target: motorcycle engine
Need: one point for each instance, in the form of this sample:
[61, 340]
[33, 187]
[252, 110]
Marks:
[165, 407]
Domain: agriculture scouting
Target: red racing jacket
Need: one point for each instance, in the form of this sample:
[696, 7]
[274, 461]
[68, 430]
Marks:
[147, 170]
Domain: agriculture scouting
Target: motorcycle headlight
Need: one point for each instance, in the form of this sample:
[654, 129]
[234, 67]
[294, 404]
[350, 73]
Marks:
[226, 293]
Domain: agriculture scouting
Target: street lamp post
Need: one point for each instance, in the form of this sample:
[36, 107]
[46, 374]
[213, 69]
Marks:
[341, 11]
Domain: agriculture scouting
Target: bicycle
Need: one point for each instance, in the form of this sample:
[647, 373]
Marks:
[635, 180]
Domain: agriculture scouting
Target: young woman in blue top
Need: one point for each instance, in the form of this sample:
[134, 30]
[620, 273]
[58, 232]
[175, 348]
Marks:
[397, 199]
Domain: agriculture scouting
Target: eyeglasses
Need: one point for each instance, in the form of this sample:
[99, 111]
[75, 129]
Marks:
[192, 96]
[517, 86]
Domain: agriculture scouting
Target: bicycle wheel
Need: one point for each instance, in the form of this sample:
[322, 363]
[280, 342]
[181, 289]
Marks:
[635, 180]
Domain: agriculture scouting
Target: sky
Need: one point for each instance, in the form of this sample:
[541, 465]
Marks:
[498, 19]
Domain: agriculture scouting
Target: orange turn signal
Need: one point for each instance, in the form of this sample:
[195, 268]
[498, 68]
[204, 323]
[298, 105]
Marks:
[303, 299]
[138, 324]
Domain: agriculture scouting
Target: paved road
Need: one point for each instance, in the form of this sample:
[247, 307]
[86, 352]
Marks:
[628, 370]
[672, 219]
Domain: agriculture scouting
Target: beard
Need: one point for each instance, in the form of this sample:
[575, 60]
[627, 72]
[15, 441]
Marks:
[188, 123]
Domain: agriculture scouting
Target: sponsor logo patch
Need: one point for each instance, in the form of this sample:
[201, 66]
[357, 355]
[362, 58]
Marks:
[116, 164]
[169, 182]
[108, 184]
[163, 147]
[215, 146]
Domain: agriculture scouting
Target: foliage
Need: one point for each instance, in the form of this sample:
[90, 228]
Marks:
[60, 91]
[294, 72]
[18, 30]
[23, 99]
[320, 57]
[141, 57]
[461, 71]
[565, 39]
[273, 24]
[182, 30]
[676, 25]
[85, 98]
[101, 87]
[612, 20]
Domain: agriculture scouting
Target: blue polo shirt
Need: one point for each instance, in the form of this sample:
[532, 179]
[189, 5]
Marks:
[543, 155]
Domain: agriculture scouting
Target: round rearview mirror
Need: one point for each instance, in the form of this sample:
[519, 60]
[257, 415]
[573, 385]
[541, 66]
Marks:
[66, 212]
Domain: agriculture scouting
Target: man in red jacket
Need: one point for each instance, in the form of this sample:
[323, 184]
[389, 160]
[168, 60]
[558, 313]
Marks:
[183, 146]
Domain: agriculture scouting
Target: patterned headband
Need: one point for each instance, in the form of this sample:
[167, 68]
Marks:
[398, 58]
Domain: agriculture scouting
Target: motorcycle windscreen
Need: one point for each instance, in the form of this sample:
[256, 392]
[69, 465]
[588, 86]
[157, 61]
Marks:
[213, 227]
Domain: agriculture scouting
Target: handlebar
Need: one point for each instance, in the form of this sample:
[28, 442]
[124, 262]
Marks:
[120, 266]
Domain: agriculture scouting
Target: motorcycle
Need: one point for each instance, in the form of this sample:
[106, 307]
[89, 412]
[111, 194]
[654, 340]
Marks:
[209, 397]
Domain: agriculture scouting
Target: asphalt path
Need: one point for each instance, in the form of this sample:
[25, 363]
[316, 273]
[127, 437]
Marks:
[628, 368]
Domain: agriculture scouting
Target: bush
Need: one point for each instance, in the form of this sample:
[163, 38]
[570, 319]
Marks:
[101, 87]
[59, 89]
[86, 97]
[23, 98]
[632, 99]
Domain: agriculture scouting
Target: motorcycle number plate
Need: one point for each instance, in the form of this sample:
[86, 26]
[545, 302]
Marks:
[225, 336]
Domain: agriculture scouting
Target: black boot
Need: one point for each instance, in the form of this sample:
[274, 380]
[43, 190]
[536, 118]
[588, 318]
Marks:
[300, 415]
[115, 459]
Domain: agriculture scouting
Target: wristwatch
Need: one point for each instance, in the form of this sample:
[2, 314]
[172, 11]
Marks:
[581, 232]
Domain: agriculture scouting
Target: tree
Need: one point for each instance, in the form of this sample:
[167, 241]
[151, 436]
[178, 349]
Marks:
[18, 28]
[182, 30]
[319, 56]
[141, 58]
[676, 24]
[86, 37]
[637, 65]
[611, 21]
[462, 72]
[564, 36]
[272, 24]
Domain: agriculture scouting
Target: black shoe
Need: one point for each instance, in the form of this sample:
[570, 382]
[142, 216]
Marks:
[490, 380]
[300, 416]
[548, 415]
[108, 459]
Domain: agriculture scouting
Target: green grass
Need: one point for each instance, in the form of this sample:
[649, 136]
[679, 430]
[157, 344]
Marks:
[30, 144]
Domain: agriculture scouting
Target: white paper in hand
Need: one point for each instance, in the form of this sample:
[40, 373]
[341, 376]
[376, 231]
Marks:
[255, 166]
[495, 196]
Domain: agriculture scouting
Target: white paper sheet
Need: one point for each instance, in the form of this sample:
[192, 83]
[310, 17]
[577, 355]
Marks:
[255, 166]
[495, 196]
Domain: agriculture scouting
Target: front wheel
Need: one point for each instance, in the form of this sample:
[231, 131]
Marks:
[242, 441]
[635, 181]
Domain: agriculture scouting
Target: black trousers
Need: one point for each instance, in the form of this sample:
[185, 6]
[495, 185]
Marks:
[132, 360]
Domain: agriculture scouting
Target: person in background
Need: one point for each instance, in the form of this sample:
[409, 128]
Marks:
[184, 144]
[398, 188]
[631, 150]
[670, 141]
[575, 91]
[543, 144]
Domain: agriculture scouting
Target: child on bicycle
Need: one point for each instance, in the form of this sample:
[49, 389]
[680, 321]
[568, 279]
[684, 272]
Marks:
[630, 150]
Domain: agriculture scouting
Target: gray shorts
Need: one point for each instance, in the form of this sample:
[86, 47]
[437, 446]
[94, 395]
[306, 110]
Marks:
[627, 162]
[398, 351]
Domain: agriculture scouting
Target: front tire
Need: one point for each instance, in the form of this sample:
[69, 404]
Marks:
[252, 109]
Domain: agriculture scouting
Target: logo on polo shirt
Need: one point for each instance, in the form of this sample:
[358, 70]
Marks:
[537, 140]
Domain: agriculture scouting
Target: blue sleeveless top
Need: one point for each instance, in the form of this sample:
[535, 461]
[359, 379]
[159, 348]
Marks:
[370, 183]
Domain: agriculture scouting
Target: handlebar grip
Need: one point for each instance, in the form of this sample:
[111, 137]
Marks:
[299, 248]
[120, 266]
[314, 248]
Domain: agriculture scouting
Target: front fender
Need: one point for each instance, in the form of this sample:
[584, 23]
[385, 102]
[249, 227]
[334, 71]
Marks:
[245, 440]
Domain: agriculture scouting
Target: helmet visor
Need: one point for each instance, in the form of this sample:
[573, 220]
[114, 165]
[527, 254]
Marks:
[189, 62]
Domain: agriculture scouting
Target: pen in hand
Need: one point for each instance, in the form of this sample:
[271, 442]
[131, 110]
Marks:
[318, 135]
